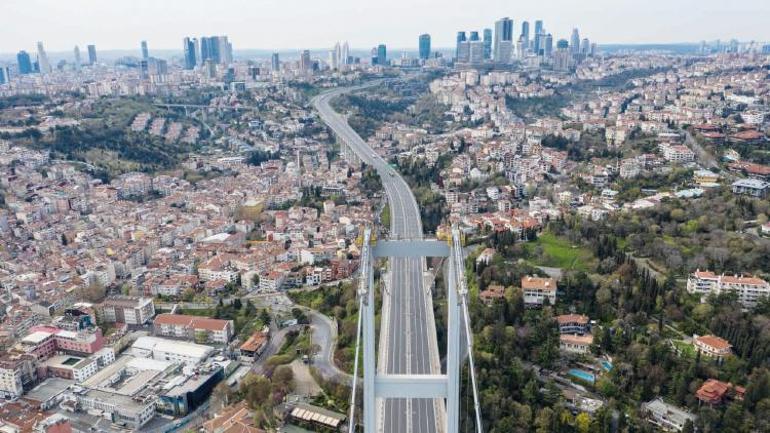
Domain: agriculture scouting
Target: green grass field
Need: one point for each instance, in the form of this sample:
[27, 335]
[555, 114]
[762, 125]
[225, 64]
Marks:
[560, 253]
[684, 348]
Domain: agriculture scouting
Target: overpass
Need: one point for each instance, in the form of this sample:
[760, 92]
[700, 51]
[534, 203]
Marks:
[404, 389]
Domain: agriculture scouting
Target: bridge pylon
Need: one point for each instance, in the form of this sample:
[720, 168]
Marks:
[409, 386]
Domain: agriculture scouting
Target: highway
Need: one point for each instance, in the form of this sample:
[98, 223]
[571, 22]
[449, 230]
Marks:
[407, 342]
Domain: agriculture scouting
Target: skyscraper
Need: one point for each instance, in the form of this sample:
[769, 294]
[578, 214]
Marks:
[206, 51]
[77, 57]
[304, 61]
[562, 58]
[460, 39]
[525, 31]
[225, 50]
[4, 75]
[475, 52]
[424, 42]
[574, 43]
[474, 36]
[382, 55]
[345, 55]
[42, 59]
[24, 62]
[145, 51]
[216, 48]
[503, 43]
[189, 53]
[585, 46]
[91, 54]
[197, 50]
[538, 34]
[275, 63]
[334, 56]
[548, 45]
[487, 44]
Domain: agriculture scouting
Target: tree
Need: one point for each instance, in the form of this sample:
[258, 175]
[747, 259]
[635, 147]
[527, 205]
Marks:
[255, 390]
[544, 421]
[221, 395]
[583, 422]
[283, 379]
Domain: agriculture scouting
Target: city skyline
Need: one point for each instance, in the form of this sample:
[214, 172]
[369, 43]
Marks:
[262, 25]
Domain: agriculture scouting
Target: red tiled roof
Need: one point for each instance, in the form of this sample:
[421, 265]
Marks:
[538, 283]
[572, 318]
[714, 341]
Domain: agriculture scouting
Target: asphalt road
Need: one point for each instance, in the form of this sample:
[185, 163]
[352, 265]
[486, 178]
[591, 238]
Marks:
[408, 334]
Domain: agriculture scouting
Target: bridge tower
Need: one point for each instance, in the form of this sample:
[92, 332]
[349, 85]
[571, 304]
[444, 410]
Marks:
[409, 386]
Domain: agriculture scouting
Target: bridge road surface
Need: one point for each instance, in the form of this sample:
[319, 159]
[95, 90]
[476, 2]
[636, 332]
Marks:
[408, 334]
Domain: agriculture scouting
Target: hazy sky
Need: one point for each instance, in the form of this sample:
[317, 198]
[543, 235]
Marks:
[274, 24]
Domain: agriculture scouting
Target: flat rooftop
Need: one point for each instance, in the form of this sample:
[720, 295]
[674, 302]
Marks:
[48, 389]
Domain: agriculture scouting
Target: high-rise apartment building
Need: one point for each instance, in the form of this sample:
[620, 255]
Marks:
[424, 43]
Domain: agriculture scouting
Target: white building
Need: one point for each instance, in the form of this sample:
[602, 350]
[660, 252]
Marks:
[537, 290]
[162, 349]
[666, 416]
[749, 289]
[127, 309]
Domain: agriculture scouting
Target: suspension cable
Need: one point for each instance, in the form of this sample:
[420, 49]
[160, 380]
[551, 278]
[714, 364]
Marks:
[469, 340]
[463, 292]
[355, 366]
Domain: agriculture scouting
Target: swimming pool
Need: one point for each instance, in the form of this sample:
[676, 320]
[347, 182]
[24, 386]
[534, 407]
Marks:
[582, 375]
[606, 365]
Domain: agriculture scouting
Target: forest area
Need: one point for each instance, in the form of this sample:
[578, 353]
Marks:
[637, 315]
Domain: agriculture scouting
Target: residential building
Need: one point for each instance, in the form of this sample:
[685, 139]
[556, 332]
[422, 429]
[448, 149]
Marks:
[16, 373]
[715, 392]
[677, 153]
[537, 290]
[492, 294]
[712, 346]
[573, 324]
[572, 343]
[753, 187]
[234, 419]
[199, 329]
[667, 417]
[750, 290]
[127, 309]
